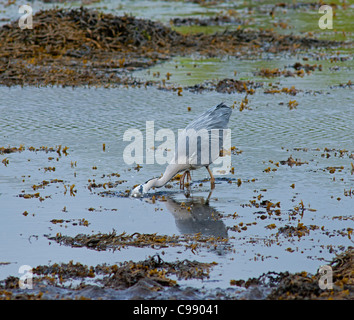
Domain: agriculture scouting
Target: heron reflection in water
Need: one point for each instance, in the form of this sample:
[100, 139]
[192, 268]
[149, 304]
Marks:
[196, 216]
[216, 118]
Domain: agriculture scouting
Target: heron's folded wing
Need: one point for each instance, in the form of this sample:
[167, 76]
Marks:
[214, 118]
[192, 148]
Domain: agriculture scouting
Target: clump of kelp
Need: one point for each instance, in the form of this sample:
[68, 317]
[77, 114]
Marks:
[129, 273]
[211, 21]
[154, 278]
[86, 47]
[147, 276]
[114, 241]
[306, 286]
[76, 47]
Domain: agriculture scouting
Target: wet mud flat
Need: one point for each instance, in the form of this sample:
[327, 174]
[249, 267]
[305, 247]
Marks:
[85, 47]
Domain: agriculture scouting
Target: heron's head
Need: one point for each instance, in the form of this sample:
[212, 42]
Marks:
[138, 191]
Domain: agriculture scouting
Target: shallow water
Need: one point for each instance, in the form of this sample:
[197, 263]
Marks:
[84, 119]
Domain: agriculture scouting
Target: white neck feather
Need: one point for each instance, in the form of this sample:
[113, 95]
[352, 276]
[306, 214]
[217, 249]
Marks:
[160, 182]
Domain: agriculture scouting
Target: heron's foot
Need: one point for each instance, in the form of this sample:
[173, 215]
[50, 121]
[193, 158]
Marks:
[183, 177]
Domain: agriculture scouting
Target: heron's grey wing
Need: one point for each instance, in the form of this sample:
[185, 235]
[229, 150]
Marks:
[215, 118]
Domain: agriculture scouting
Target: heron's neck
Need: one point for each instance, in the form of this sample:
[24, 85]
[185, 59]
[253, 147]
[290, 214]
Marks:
[159, 182]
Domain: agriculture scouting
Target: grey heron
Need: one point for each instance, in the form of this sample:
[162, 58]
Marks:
[213, 120]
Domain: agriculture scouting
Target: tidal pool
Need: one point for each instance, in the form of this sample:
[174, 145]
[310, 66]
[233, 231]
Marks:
[312, 197]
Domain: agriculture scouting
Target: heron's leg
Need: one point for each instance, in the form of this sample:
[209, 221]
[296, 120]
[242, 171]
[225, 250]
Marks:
[181, 181]
[207, 200]
[188, 174]
[187, 193]
[212, 179]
